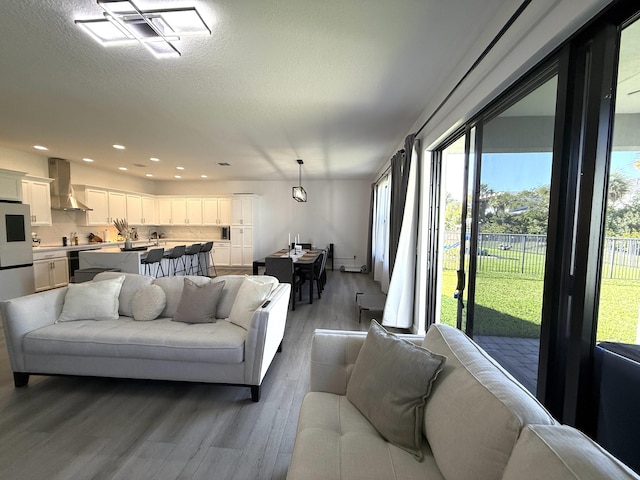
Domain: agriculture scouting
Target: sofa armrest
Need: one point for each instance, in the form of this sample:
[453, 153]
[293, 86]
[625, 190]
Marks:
[265, 335]
[24, 314]
[333, 355]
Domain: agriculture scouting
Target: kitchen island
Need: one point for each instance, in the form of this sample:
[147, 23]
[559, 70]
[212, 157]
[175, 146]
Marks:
[129, 261]
[113, 257]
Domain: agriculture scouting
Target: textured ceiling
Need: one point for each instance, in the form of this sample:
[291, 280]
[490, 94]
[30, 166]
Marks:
[336, 83]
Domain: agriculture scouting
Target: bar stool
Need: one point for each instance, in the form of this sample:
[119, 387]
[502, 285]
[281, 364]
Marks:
[207, 248]
[175, 258]
[190, 254]
[153, 257]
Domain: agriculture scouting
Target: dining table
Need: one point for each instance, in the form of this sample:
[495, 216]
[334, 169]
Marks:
[304, 260]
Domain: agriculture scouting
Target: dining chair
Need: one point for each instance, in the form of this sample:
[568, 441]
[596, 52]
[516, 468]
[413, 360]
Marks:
[319, 272]
[175, 258]
[153, 257]
[282, 269]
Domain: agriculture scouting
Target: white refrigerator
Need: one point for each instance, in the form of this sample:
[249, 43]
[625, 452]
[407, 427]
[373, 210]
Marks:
[16, 251]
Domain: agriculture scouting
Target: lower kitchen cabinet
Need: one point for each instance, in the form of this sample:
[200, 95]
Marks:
[51, 273]
[221, 254]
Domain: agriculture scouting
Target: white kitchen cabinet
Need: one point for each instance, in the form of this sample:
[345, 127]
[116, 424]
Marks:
[37, 193]
[194, 211]
[98, 202]
[105, 205]
[164, 211]
[180, 211]
[134, 209]
[11, 185]
[117, 205]
[242, 210]
[149, 210]
[216, 211]
[51, 273]
[221, 254]
[141, 210]
[241, 246]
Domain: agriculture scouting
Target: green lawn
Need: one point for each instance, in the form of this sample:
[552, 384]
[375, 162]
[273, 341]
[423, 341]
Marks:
[509, 304]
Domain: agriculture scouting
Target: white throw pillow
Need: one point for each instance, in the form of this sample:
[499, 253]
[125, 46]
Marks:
[251, 295]
[92, 300]
[148, 302]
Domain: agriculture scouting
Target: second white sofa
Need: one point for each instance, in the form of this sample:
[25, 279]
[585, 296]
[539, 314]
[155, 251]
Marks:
[478, 423]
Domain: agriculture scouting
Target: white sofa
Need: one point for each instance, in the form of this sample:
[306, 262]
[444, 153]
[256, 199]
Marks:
[479, 423]
[219, 352]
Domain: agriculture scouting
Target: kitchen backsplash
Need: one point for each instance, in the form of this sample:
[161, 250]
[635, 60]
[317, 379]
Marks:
[65, 222]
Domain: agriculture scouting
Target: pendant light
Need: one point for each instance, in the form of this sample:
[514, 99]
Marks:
[298, 193]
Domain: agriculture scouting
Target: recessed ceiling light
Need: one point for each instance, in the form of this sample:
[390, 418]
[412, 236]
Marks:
[40, 147]
[224, 164]
[122, 168]
[203, 176]
[118, 147]
[89, 160]
[179, 168]
[177, 176]
[148, 174]
[154, 159]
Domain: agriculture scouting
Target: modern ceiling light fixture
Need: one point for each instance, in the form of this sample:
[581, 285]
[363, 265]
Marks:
[156, 29]
[298, 193]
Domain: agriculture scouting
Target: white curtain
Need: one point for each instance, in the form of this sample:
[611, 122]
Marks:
[398, 310]
[380, 234]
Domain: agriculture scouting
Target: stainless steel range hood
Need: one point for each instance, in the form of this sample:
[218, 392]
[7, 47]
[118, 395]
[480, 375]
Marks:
[62, 197]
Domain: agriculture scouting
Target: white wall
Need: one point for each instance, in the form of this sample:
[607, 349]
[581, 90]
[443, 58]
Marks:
[337, 211]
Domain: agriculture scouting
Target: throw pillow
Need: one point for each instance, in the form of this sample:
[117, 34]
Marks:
[96, 300]
[251, 295]
[198, 303]
[390, 383]
[148, 302]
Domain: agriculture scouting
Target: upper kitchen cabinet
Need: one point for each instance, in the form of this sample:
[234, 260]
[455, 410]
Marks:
[36, 192]
[179, 211]
[216, 211]
[11, 185]
[141, 210]
[106, 205]
[242, 210]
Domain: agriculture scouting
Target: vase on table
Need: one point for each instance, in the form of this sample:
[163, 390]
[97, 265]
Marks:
[127, 243]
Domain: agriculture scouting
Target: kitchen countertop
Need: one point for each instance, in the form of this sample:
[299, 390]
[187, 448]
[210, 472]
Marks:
[113, 245]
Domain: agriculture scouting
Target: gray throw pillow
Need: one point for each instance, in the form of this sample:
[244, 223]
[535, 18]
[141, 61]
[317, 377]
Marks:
[390, 383]
[198, 302]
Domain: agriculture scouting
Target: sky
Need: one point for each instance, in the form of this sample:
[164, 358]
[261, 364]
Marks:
[513, 172]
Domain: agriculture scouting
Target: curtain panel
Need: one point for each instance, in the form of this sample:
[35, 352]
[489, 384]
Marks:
[399, 307]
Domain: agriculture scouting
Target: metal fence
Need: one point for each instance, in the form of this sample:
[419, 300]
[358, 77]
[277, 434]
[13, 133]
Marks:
[526, 254]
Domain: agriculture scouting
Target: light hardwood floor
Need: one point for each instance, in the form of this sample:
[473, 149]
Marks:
[93, 428]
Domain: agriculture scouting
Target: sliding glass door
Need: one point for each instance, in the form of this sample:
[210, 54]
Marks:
[619, 305]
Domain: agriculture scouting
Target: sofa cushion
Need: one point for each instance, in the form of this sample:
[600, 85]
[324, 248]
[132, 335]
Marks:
[132, 282]
[198, 303]
[162, 339]
[172, 287]
[559, 451]
[250, 296]
[390, 383]
[231, 287]
[334, 441]
[148, 303]
[92, 300]
[476, 408]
